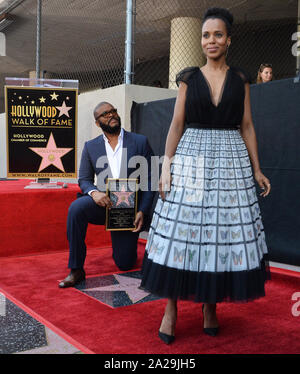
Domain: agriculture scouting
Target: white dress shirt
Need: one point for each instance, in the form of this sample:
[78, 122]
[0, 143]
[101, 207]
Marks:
[114, 156]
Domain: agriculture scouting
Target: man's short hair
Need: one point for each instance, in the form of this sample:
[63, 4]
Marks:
[99, 105]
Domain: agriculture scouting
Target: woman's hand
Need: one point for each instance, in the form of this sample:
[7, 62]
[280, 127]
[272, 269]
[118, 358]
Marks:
[138, 223]
[165, 182]
[263, 183]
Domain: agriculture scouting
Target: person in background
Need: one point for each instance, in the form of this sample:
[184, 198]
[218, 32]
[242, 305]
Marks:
[265, 73]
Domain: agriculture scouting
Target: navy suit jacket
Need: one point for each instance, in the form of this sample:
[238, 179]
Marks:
[94, 162]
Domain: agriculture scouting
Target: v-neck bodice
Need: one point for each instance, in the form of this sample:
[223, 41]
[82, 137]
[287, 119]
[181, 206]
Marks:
[200, 108]
[220, 96]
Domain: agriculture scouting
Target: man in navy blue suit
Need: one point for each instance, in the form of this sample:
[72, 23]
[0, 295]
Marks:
[114, 155]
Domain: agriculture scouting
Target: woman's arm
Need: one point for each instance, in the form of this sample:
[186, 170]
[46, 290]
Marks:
[248, 131]
[249, 136]
[173, 138]
[177, 123]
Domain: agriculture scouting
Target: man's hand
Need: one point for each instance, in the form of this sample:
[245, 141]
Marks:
[138, 223]
[101, 199]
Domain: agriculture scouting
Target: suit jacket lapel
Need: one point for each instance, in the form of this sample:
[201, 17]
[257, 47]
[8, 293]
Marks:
[102, 153]
[127, 153]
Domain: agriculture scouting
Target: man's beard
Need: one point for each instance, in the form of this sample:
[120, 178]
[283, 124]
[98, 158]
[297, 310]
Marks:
[111, 129]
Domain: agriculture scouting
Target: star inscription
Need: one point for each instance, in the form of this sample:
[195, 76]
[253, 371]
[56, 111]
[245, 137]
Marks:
[127, 284]
[64, 110]
[123, 196]
[51, 155]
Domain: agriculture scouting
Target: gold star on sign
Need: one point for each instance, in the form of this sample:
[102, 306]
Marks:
[54, 96]
[42, 99]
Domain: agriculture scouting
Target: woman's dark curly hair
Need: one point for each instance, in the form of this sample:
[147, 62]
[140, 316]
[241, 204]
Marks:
[222, 14]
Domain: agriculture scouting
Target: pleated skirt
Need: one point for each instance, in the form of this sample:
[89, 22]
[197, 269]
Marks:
[206, 241]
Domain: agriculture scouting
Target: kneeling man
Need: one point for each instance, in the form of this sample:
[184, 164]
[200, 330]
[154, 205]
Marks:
[117, 147]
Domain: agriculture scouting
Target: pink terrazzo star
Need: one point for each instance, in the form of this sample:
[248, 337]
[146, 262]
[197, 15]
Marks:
[51, 155]
[123, 196]
[127, 284]
[64, 110]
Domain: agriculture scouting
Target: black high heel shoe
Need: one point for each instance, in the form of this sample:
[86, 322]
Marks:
[166, 338]
[211, 331]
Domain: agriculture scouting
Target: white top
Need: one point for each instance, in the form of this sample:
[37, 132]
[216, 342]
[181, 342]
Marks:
[114, 156]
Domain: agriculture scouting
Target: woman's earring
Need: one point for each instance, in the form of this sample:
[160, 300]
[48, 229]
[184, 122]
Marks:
[227, 50]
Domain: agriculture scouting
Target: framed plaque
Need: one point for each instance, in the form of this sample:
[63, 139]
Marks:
[123, 195]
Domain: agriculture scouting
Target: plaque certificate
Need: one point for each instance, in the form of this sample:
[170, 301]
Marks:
[123, 195]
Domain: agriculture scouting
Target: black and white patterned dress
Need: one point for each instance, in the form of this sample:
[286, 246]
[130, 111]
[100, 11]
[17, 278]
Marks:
[206, 242]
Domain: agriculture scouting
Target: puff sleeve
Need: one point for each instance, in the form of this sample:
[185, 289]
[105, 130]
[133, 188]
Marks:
[185, 74]
[243, 74]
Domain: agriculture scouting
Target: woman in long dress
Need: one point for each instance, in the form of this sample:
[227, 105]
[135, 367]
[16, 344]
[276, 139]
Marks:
[206, 242]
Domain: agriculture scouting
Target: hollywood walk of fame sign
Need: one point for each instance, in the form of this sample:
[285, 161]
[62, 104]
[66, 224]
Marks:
[123, 195]
[41, 132]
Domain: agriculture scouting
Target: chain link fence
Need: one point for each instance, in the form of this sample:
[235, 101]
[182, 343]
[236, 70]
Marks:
[168, 38]
[97, 50]
[85, 39]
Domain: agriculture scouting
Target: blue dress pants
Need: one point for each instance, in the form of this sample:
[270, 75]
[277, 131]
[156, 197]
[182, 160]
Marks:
[84, 211]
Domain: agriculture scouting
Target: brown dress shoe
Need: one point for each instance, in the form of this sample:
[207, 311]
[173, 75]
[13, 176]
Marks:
[75, 276]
